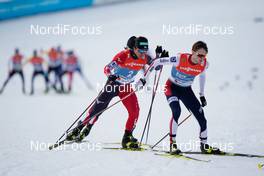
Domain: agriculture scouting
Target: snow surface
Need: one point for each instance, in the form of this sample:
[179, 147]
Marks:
[234, 91]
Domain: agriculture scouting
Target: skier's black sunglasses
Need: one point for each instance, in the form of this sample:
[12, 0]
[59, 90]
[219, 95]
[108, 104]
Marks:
[142, 51]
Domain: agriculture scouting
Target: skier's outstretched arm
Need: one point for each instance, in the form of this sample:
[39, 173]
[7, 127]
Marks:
[157, 63]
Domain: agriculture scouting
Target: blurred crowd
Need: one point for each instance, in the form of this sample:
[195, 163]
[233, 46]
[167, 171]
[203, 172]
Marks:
[52, 65]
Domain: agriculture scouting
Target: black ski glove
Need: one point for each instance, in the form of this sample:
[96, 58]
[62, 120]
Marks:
[158, 50]
[203, 101]
[143, 81]
[164, 53]
[112, 78]
[140, 84]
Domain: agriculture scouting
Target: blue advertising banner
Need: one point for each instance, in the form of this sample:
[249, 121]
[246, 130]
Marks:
[17, 8]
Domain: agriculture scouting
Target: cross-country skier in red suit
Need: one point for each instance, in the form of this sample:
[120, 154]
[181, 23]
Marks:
[121, 72]
[15, 67]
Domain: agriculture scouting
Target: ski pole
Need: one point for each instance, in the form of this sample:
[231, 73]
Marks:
[150, 111]
[118, 101]
[82, 113]
[155, 77]
[169, 133]
[79, 117]
[152, 99]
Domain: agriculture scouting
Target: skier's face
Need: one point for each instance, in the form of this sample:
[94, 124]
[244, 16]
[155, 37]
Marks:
[198, 56]
[16, 51]
[35, 54]
[140, 53]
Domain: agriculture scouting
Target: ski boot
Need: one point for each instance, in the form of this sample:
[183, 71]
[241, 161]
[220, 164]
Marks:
[207, 149]
[129, 141]
[75, 132]
[174, 149]
[85, 132]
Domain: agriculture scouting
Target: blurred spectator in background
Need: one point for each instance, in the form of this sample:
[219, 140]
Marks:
[15, 67]
[55, 65]
[37, 63]
[71, 64]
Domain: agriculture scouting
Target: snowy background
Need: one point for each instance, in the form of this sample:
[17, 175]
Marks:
[234, 90]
